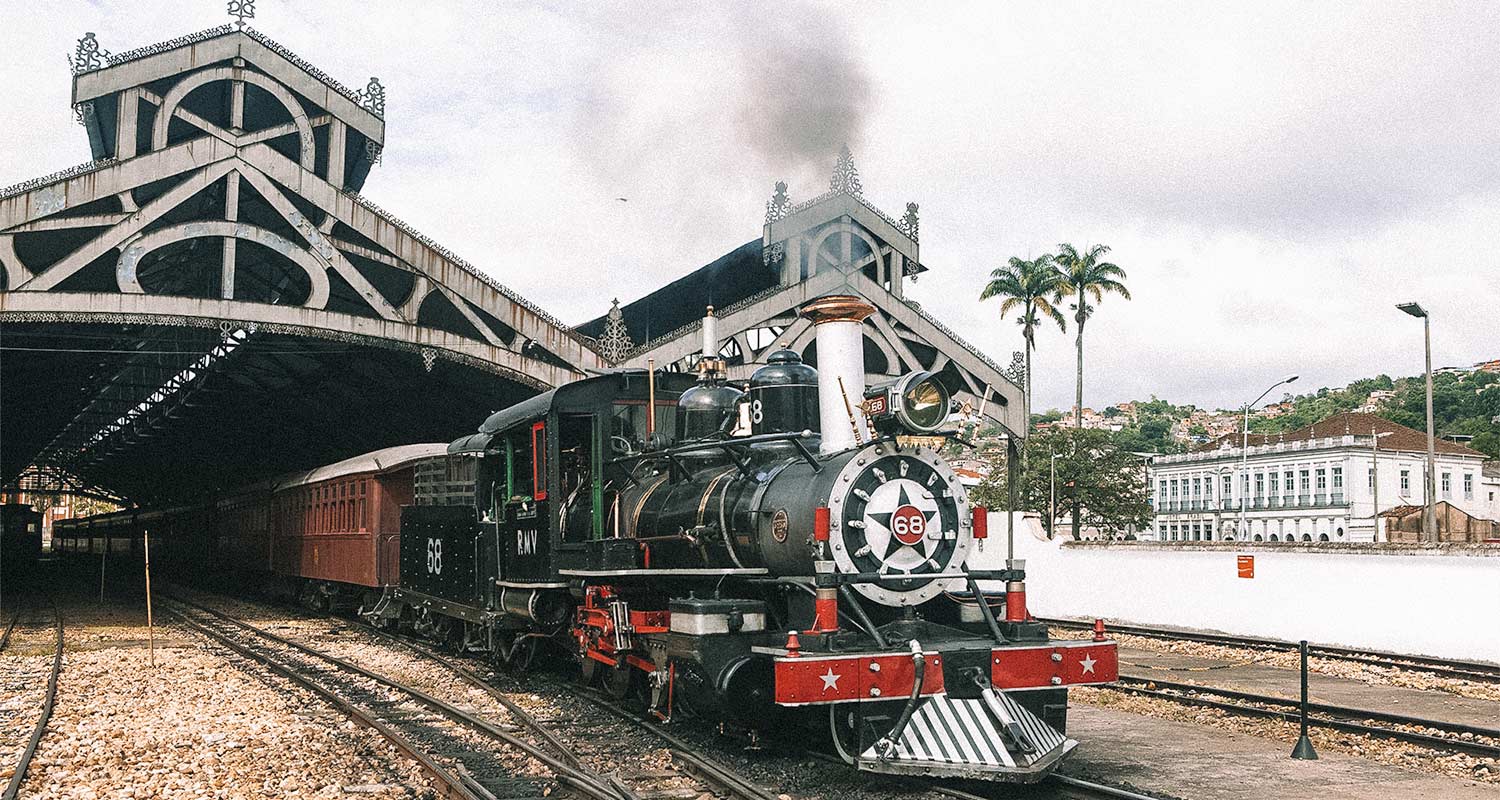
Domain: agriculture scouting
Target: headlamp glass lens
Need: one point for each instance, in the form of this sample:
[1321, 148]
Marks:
[926, 404]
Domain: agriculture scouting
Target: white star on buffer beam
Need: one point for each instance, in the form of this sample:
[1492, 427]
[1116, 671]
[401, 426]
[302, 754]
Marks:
[831, 679]
[1088, 663]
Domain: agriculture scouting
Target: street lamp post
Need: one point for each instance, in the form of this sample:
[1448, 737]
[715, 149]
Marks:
[1375, 480]
[1429, 484]
[1245, 452]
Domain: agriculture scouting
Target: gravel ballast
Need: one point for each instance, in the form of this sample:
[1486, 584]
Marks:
[200, 723]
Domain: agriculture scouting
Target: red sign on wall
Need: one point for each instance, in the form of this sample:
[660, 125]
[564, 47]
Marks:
[1246, 566]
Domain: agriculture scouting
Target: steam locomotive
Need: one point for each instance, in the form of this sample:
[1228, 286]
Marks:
[786, 551]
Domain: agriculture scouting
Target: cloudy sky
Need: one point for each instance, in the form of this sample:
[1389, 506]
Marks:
[1273, 176]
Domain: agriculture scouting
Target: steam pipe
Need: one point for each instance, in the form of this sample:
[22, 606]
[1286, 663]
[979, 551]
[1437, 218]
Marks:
[887, 744]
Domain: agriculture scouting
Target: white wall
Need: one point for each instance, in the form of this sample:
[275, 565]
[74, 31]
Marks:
[1441, 600]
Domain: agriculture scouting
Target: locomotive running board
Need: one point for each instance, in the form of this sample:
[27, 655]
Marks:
[964, 738]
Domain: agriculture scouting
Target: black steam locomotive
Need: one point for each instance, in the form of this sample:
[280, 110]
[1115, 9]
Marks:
[733, 553]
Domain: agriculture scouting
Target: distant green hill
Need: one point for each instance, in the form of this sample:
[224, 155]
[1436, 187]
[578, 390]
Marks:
[1462, 405]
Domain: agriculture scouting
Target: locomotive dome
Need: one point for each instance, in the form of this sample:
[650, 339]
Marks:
[784, 395]
[705, 408]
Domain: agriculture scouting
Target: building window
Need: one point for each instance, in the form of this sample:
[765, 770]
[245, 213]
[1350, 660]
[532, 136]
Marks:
[1338, 479]
[1162, 488]
[1322, 480]
[1304, 484]
[1260, 485]
[1405, 480]
[1447, 484]
[1468, 486]
[1275, 484]
[1197, 487]
[1174, 489]
[1228, 488]
[1290, 487]
[1372, 478]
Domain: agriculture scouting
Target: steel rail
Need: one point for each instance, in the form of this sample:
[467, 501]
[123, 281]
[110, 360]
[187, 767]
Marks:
[695, 762]
[526, 718]
[5, 639]
[1454, 668]
[453, 783]
[16, 778]
[592, 785]
[1089, 787]
[1138, 686]
[705, 767]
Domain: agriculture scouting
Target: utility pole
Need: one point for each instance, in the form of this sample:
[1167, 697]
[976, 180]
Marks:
[1375, 478]
[1375, 483]
[1052, 507]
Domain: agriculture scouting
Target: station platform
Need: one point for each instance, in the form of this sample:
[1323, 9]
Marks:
[1280, 682]
[1179, 759]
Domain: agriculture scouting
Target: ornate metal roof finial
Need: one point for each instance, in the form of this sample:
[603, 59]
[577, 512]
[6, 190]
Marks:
[1017, 370]
[241, 10]
[372, 97]
[779, 204]
[87, 57]
[845, 175]
[615, 342]
[908, 223]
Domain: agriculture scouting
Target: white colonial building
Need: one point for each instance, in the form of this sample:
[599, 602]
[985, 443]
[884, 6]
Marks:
[1313, 484]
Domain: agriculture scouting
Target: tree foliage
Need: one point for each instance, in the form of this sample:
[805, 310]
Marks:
[1107, 481]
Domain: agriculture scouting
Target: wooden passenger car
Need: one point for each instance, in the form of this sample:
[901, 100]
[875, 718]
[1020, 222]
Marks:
[339, 524]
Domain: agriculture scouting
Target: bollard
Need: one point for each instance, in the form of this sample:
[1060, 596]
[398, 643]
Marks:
[1304, 749]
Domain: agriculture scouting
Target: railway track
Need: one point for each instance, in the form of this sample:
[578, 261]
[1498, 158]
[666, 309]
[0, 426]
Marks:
[559, 750]
[17, 682]
[1478, 671]
[689, 759]
[1448, 736]
[449, 742]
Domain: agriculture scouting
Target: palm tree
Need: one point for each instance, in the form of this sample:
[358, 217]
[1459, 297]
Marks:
[1085, 276]
[1033, 287]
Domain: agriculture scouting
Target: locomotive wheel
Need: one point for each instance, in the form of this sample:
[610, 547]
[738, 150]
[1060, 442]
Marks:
[514, 652]
[588, 671]
[843, 727]
[618, 681]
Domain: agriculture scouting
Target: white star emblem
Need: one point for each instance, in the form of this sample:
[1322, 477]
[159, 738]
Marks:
[830, 679]
[1088, 663]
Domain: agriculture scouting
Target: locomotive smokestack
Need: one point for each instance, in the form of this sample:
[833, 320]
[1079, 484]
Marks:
[710, 334]
[839, 321]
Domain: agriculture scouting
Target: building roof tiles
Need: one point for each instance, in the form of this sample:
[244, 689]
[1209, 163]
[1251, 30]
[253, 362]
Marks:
[1401, 438]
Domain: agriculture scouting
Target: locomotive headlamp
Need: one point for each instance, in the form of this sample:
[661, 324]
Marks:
[916, 401]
